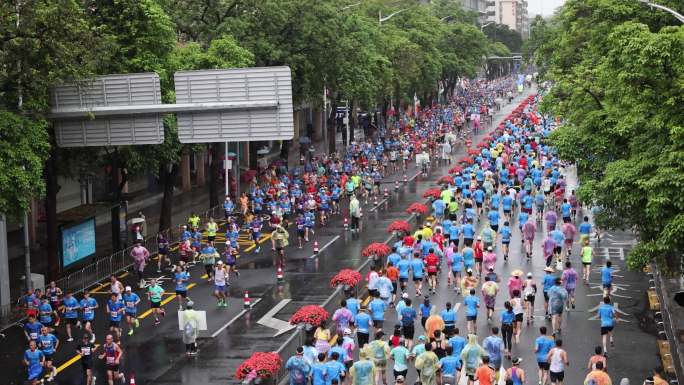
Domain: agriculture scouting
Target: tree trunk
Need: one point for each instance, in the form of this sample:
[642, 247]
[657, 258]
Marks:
[214, 171]
[51, 189]
[169, 174]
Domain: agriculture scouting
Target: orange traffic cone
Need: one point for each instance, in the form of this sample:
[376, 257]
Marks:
[346, 223]
[247, 302]
[405, 178]
[396, 185]
[386, 192]
[279, 274]
[132, 379]
[315, 247]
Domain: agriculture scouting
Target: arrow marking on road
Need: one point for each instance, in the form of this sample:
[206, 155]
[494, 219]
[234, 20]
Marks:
[616, 306]
[270, 321]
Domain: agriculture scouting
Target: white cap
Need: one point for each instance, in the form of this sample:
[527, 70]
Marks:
[405, 295]
[219, 262]
[128, 288]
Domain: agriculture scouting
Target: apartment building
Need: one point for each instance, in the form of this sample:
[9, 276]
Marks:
[512, 13]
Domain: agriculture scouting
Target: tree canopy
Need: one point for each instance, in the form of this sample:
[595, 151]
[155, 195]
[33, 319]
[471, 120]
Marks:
[618, 82]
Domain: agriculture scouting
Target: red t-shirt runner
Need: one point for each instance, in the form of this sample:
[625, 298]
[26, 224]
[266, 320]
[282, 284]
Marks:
[431, 261]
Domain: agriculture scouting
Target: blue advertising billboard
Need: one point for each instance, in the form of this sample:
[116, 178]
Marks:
[78, 242]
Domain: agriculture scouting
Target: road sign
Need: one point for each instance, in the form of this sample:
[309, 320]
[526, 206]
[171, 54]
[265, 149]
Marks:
[251, 104]
[269, 320]
[93, 113]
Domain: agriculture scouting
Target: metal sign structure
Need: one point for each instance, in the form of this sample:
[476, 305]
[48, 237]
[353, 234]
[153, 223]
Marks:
[108, 110]
[244, 104]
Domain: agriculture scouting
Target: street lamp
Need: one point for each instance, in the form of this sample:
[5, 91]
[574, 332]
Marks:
[484, 25]
[664, 8]
[350, 5]
[381, 19]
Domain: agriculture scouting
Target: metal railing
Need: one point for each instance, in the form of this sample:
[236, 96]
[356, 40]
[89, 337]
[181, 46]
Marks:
[88, 276]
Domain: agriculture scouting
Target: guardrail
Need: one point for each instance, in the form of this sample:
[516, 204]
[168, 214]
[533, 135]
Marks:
[79, 280]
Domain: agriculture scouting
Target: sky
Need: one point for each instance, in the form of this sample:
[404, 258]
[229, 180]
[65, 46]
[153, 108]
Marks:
[543, 7]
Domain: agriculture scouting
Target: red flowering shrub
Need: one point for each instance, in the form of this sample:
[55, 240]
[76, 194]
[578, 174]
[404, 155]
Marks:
[264, 364]
[418, 208]
[473, 151]
[401, 226]
[466, 160]
[455, 170]
[432, 193]
[376, 248]
[347, 277]
[310, 314]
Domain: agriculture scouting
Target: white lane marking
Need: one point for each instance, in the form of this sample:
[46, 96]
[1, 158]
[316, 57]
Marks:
[379, 204]
[270, 321]
[240, 314]
[324, 246]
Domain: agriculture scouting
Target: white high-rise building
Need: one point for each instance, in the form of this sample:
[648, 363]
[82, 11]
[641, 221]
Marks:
[479, 6]
[512, 13]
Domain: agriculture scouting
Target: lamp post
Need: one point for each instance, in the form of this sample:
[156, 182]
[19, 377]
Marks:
[350, 6]
[381, 19]
[674, 13]
[484, 25]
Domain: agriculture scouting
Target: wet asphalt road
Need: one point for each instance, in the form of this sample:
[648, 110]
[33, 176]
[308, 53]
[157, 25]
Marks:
[155, 353]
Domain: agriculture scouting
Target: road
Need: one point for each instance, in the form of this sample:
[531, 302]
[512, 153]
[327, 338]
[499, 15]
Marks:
[155, 353]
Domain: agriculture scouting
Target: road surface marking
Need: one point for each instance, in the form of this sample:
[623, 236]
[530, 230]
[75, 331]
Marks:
[71, 361]
[164, 302]
[270, 321]
[240, 314]
[324, 246]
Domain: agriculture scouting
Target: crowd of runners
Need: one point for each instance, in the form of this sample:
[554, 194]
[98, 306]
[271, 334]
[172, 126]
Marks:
[513, 183]
[280, 198]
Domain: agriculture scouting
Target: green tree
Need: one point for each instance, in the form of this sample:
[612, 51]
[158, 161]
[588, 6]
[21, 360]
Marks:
[617, 71]
[42, 43]
[503, 34]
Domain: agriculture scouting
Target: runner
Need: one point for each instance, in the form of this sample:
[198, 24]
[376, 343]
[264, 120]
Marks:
[608, 316]
[530, 293]
[154, 294]
[34, 360]
[85, 350]
[471, 303]
[54, 293]
[587, 258]
[180, 278]
[221, 284]
[48, 344]
[131, 301]
[115, 310]
[569, 280]
[71, 307]
[515, 374]
[112, 354]
[558, 360]
[88, 305]
[542, 346]
[558, 297]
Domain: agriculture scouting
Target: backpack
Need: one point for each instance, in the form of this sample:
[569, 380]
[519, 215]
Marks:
[189, 330]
